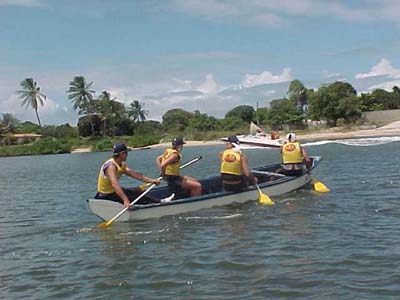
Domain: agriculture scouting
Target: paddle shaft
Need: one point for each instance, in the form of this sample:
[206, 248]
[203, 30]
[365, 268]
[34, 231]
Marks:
[268, 173]
[133, 202]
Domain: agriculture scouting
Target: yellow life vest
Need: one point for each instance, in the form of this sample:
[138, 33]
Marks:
[174, 168]
[104, 183]
[231, 162]
[291, 153]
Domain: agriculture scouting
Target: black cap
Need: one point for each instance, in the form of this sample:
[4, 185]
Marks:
[178, 141]
[119, 147]
[233, 139]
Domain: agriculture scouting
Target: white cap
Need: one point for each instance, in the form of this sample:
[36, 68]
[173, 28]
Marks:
[291, 137]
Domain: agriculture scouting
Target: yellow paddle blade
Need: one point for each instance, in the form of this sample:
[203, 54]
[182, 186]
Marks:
[264, 199]
[144, 186]
[320, 187]
[104, 224]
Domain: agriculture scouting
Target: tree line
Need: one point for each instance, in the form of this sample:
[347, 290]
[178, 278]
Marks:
[104, 116]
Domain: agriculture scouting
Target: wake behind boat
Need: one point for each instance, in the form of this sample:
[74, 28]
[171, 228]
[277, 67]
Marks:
[270, 182]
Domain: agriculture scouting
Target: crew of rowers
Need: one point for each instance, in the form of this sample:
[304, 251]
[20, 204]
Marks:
[235, 172]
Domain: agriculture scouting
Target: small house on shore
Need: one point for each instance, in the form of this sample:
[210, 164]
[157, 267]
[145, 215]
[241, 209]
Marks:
[22, 138]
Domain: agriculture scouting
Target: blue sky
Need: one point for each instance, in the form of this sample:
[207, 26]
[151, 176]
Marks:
[210, 55]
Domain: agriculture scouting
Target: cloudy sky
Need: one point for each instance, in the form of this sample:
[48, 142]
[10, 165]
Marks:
[209, 55]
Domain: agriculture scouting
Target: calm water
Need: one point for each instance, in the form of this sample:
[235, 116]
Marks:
[340, 245]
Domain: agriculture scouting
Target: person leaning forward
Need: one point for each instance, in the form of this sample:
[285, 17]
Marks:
[294, 157]
[235, 172]
[108, 186]
[170, 162]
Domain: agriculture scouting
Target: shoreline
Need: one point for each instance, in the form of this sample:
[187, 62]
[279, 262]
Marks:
[392, 129]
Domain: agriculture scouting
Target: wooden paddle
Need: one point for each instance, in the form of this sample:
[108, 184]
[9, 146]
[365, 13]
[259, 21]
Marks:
[108, 223]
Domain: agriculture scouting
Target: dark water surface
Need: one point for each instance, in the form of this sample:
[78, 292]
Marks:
[340, 245]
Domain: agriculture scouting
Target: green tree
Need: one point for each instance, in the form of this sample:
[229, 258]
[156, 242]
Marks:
[244, 112]
[297, 93]
[389, 100]
[325, 103]
[106, 110]
[31, 96]
[136, 111]
[81, 95]
[202, 122]
[89, 125]
[284, 111]
[233, 124]
[9, 122]
[369, 103]
[262, 114]
[148, 128]
[176, 120]
[350, 108]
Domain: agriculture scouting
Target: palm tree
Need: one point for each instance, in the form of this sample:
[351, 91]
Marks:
[31, 96]
[136, 111]
[106, 108]
[81, 96]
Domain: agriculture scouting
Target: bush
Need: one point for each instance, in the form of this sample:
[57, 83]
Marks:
[143, 140]
[62, 131]
[42, 146]
[103, 145]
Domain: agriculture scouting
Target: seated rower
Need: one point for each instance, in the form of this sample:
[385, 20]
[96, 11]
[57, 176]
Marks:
[294, 157]
[169, 163]
[235, 172]
[108, 186]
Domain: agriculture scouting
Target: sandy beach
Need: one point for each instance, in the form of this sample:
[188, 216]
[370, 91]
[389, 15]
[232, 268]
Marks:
[392, 129]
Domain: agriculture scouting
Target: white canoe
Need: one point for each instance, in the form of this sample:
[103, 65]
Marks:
[213, 195]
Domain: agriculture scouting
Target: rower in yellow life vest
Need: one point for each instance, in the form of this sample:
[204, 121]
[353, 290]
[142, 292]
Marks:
[235, 172]
[108, 186]
[170, 162]
[294, 157]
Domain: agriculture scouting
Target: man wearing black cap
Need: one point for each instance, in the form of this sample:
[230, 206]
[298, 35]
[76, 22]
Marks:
[108, 186]
[234, 167]
[170, 162]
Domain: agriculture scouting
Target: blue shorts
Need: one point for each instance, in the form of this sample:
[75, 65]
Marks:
[174, 182]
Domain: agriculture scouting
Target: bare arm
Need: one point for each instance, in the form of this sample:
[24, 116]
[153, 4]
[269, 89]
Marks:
[246, 170]
[306, 159]
[140, 176]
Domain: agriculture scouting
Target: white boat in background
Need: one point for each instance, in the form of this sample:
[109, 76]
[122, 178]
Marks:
[258, 138]
[270, 182]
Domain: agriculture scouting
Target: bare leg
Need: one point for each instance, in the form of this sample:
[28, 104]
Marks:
[191, 184]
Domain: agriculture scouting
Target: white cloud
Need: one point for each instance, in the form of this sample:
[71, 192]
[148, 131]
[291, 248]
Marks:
[384, 67]
[267, 77]
[388, 85]
[209, 86]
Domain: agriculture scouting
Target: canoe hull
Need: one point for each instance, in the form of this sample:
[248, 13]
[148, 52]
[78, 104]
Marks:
[106, 210]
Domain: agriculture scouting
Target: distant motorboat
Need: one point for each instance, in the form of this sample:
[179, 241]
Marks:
[259, 138]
